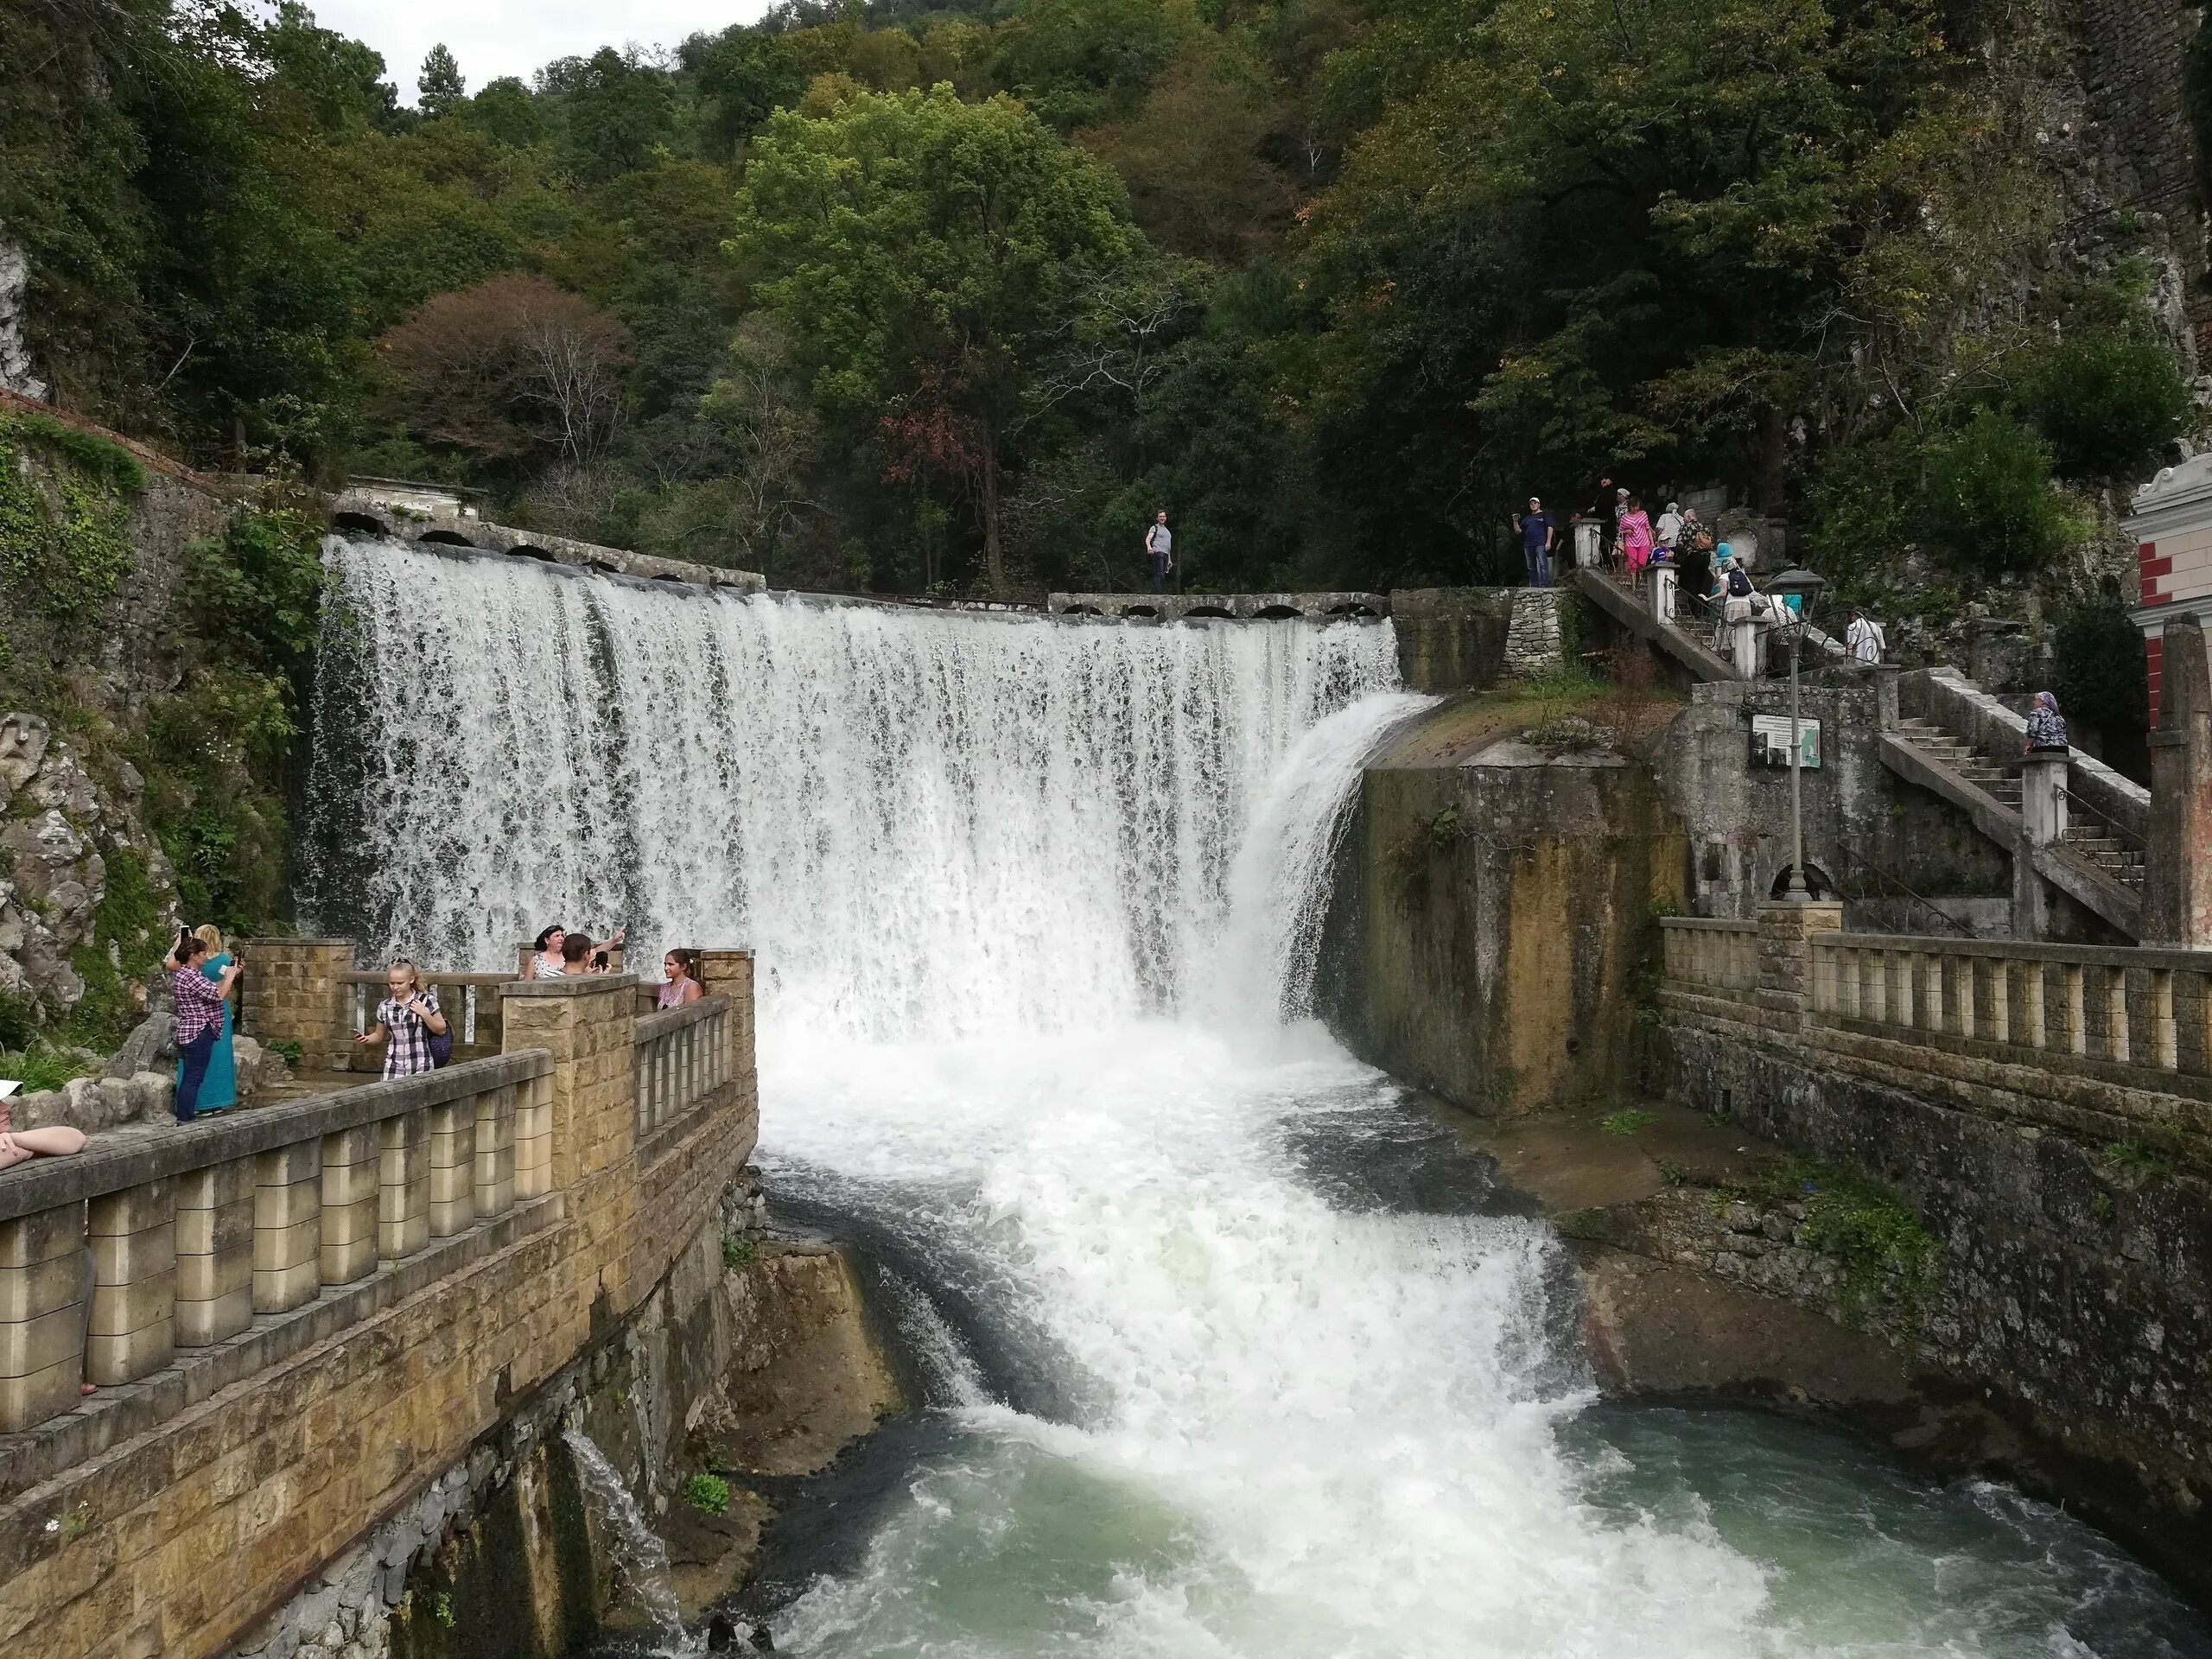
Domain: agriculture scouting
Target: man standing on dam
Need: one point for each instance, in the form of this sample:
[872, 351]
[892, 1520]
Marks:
[1160, 548]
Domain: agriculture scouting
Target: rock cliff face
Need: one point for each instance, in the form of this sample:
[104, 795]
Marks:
[66, 837]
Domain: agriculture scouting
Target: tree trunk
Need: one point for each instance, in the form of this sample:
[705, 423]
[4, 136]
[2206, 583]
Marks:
[1774, 458]
[994, 557]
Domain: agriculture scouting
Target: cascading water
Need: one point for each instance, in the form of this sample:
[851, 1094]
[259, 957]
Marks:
[1028, 897]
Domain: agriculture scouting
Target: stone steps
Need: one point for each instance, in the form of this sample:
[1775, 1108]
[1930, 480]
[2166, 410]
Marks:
[2001, 783]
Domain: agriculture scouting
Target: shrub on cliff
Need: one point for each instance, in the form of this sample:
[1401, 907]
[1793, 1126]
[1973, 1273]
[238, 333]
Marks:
[1988, 496]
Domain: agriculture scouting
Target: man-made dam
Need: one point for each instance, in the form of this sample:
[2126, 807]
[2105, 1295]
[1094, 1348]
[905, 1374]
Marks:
[1216, 1363]
[1034, 907]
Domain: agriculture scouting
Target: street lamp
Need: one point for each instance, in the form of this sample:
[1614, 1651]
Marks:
[1805, 588]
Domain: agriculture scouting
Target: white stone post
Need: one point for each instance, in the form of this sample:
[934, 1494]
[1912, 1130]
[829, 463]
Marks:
[1744, 648]
[1662, 591]
[2042, 798]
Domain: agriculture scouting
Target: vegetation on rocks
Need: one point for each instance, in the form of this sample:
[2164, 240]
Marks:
[1879, 1242]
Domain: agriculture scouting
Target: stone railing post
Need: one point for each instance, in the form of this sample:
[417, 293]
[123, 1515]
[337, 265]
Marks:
[1662, 591]
[1786, 933]
[589, 1026]
[1744, 648]
[2042, 798]
[728, 972]
[2178, 890]
[295, 990]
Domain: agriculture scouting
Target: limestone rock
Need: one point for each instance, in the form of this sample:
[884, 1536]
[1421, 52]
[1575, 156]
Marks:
[146, 1044]
[62, 786]
[23, 745]
[153, 1095]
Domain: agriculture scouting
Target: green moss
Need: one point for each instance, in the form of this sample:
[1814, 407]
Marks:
[2142, 1163]
[63, 548]
[1627, 1120]
[739, 1252]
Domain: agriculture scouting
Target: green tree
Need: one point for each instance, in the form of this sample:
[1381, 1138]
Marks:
[928, 255]
[440, 84]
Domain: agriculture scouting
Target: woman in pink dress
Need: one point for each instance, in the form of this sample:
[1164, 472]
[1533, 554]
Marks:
[1636, 541]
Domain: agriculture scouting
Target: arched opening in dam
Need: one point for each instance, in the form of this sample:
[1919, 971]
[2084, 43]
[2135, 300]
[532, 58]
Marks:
[1036, 909]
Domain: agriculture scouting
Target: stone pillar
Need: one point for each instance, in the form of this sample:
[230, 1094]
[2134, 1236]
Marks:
[43, 1284]
[453, 1167]
[287, 1227]
[2178, 896]
[1786, 933]
[214, 1252]
[133, 1235]
[1744, 648]
[728, 972]
[1664, 578]
[590, 1026]
[403, 1183]
[1885, 675]
[495, 1149]
[295, 990]
[2043, 818]
[349, 1204]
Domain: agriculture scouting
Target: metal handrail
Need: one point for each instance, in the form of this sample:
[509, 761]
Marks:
[1941, 915]
[2118, 829]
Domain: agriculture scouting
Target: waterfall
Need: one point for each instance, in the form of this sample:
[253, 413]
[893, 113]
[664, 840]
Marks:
[924, 822]
[636, 1550]
[1035, 903]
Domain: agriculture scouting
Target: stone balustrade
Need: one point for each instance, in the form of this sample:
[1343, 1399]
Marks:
[683, 1059]
[2105, 1043]
[1721, 956]
[116, 1261]
[297, 1315]
[469, 1002]
[2143, 1010]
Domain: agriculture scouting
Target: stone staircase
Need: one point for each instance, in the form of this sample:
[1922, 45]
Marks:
[2096, 844]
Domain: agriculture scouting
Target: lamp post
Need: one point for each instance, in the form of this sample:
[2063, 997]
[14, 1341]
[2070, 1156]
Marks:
[1805, 588]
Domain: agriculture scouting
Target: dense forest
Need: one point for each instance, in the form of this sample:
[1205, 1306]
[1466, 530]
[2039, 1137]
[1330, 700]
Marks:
[874, 296]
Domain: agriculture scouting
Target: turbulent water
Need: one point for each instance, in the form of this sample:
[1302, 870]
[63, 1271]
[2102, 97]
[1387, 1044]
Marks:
[1210, 1375]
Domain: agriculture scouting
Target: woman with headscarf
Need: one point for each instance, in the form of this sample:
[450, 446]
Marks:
[2046, 726]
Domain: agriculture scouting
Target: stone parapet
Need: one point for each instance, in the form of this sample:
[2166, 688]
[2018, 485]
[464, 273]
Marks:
[296, 991]
[321, 1305]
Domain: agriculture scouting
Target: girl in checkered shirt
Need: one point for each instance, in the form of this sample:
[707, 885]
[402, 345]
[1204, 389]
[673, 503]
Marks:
[404, 1020]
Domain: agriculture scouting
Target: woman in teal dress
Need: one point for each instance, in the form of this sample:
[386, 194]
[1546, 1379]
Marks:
[219, 1088]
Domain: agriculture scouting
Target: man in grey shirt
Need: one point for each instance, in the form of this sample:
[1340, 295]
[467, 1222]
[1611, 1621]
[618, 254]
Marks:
[1160, 548]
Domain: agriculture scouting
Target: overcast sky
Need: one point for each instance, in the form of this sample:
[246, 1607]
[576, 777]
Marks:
[491, 38]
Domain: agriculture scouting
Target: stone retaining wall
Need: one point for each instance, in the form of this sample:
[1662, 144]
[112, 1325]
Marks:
[2073, 1268]
[282, 1471]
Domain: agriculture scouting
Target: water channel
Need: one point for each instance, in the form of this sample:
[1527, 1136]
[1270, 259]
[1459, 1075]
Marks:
[1217, 1366]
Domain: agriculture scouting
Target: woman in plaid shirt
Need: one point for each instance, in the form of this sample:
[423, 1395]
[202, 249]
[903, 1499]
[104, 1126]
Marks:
[404, 1020]
[199, 1018]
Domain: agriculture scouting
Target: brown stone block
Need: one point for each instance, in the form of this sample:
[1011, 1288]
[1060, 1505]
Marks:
[32, 1397]
[342, 1263]
[28, 1293]
[120, 1309]
[134, 1209]
[278, 1289]
[125, 1258]
[226, 1229]
[127, 1355]
[43, 1236]
[203, 1321]
[29, 1345]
